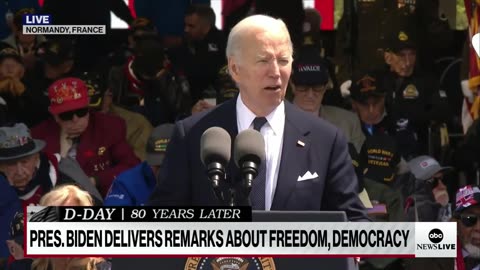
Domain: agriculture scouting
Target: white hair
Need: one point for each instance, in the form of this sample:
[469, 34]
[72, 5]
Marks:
[251, 23]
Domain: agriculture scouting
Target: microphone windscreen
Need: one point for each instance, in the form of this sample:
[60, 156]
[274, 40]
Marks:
[249, 145]
[215, 145]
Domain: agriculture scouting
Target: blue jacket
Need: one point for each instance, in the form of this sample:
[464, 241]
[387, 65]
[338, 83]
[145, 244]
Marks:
[132, 187]
[9, 205]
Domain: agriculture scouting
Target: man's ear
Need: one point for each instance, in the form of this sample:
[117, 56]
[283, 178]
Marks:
[388, 56]
[233, 68]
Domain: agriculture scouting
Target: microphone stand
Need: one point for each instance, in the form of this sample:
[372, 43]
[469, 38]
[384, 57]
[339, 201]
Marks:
[216, 173]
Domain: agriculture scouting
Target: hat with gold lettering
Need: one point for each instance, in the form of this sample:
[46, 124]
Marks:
[381, 156]
[157, 144]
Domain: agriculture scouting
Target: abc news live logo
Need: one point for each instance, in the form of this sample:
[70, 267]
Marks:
[35, 24]
[439, 241]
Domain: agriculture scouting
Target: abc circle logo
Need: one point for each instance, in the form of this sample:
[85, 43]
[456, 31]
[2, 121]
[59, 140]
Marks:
[435, 236]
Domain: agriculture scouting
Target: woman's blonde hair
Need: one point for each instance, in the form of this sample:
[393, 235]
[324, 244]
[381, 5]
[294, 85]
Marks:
[83, 263]
[66, 193]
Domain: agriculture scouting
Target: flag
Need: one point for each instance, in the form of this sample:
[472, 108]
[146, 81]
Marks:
[471, 108]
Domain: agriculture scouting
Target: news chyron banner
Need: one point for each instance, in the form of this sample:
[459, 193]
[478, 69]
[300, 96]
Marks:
[36, 24]
[203, 231]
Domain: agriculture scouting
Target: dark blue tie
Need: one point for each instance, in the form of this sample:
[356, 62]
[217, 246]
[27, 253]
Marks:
[257, 194]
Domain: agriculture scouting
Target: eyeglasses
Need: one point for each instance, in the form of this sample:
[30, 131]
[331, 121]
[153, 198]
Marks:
[67, 116]
[315, 88]
[434, 180]
[469, 220]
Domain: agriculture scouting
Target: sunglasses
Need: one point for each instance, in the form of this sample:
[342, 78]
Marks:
[469, 220]
[67, 116]
[434, 181]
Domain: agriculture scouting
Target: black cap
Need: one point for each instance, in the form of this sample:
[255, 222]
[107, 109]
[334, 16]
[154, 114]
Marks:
[309, 69]
[56, 52]
[365, 85]
[149, 57]
[9, 52]
[142, 24]
[96, 88]
[402, 39]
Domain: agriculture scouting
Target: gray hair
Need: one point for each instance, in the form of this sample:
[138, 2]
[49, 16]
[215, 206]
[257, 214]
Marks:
[260, 22]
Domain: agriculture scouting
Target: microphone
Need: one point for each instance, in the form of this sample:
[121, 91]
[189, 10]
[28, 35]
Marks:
[249, 153]
[215, 151]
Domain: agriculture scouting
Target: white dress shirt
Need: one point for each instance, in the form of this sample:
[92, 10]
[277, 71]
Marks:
[272, 132]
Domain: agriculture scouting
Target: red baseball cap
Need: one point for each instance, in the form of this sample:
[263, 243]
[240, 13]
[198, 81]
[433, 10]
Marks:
[67, 94]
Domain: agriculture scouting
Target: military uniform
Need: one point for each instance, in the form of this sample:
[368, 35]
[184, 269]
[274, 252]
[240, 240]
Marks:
[201, 62]
[417, 99]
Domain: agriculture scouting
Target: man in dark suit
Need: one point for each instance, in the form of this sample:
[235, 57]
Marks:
[307, 162]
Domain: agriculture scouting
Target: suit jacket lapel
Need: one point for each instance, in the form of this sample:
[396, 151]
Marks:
[294, 132]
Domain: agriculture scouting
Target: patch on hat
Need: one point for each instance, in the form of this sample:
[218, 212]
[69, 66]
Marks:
[402, 36]
[161, 145]
[67, 94]
[367, 84]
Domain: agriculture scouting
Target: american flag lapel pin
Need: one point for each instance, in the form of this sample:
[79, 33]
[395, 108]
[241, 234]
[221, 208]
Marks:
[300, 143]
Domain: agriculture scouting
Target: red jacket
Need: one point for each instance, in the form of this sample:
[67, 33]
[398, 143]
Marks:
[103, 151]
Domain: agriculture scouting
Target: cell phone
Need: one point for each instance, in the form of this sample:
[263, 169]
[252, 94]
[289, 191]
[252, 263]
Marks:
[212, 101]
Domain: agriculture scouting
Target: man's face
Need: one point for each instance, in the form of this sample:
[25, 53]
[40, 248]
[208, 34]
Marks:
[195, 28]
[11, 68]
[403, 62]
[262, 69]
[20, 172]
[73, 123]
[309, 98]
[371, 110]
[470, 235]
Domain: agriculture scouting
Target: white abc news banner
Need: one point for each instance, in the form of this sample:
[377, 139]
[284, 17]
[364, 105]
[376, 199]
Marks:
[389, 239]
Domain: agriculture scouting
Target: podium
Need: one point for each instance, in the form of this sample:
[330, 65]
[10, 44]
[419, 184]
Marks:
[251, 263]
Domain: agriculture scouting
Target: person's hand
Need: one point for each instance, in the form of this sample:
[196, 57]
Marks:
[395, 62]
[15, 249]
[201, 106]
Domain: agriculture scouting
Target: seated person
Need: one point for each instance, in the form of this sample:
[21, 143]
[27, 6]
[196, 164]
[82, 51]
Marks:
[96, 140]
[146, 84]
[25, 45]
[310, 78]
[411, 93]
[138, 127]
[368, 101]
[430, 201]
[133, 187]
[27, 173]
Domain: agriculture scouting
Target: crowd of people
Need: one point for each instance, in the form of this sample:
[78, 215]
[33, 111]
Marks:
[125, 128]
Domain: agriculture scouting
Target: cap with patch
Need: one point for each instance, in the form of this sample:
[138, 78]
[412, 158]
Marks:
[366, 85]
[425, 167]
[226, 86]
[309, 69]
[157, 144]
[402, 39]
[56, 52]
[67, 94]
[381, 155]
[466, 197]
[96, 88]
